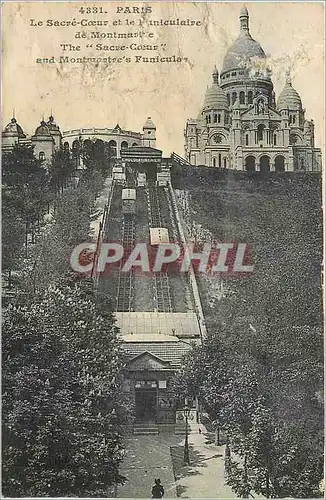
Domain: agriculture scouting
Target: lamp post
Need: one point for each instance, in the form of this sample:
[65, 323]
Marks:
[186, 412]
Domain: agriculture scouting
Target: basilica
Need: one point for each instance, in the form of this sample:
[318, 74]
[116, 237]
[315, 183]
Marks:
[242, 126]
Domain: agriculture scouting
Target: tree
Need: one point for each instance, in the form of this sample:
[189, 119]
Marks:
[26, 183]
[62, 403]
[61, 169]
[12, 236]
[265, 392]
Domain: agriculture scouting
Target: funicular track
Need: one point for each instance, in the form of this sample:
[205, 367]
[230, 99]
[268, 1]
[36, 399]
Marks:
[162, 290]
[126, 279]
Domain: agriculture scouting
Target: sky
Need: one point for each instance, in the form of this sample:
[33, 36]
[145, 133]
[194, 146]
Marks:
[84, 95]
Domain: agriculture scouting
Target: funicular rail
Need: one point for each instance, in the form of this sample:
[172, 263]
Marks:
[126, 279]
[162, 290]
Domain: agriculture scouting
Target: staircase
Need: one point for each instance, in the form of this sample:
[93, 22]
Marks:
[179, 160]
[145, 429]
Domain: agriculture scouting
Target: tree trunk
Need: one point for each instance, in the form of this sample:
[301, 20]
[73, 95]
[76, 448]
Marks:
[267, 485]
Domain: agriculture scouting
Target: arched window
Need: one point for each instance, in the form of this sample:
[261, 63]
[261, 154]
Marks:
[275, 139]
[76, 145]
[264, 164]
[41, 156]
[209, 118]
[219, 160]
[206, 118]
[66, 146]
[293, 119]
[124, 145]
[214, 162]
[219, 118]
[113, 149]
[250, 97]
[250, 163]
[215, 118]
[99, 146]
[247, 139]
[234, 97]
[228, 99]
[302, 163]
[242, 97]
[134, 144]
[260, 132]
[279, 163]
[224, 161]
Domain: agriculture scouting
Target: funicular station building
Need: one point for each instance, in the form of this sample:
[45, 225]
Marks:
[159, 315]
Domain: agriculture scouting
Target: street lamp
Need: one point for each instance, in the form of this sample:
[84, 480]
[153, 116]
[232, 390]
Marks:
[186, 412]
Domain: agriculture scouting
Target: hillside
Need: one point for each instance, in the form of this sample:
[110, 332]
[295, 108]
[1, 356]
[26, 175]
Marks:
[280, 217]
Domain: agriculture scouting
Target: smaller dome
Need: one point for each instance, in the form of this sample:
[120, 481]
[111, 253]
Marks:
[42, 129]
[13, 128]
[149, 124]
[289, 97]
[52, 126]
[215, 97]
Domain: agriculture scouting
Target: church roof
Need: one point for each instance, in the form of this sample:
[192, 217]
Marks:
[42, 129]
[215, 97]
[244, 47]
[52, 126]
[289, 97]
[149, 124]
[13, 128]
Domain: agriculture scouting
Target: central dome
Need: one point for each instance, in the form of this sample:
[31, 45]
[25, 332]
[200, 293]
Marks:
[243, 48]
[241, 51]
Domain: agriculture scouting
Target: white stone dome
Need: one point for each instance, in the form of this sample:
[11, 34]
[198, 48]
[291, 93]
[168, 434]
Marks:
[244, 48]
[289, 98]
[215, 97]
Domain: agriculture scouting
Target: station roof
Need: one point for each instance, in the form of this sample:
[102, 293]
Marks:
[156, 325]
[141, 154]
[171, 353]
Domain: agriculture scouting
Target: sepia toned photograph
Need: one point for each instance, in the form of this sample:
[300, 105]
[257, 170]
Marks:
[162, 249]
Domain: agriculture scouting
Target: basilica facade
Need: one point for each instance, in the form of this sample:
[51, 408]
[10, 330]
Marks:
[242, 126]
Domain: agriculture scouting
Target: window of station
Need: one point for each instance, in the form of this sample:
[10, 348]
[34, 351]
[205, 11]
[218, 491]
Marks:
[233, 73]
[219, 118]
[215, 118]
[228, 99]
[224, 160]
[41, 156]
[242, 97]
[250, 97]
[275, 139]
[219, 160]
[247, 140]
[234, 97]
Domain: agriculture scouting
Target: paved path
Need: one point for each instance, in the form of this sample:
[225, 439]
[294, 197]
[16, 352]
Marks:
[161, 456]
[147, 458]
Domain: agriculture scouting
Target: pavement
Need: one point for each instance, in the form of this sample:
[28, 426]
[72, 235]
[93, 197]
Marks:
[161, 456]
